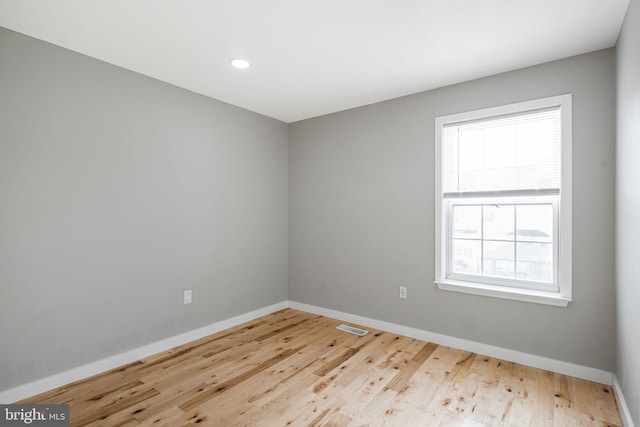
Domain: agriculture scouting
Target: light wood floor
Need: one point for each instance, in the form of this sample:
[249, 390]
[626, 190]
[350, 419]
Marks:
[292, 368]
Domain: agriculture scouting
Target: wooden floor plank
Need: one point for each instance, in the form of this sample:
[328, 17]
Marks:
[294, 368]
[220, 388]
[400, 381]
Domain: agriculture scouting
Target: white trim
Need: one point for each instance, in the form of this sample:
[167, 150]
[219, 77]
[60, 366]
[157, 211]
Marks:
[566, 194]
[512, 293]
[57, 380]
[564, 239]
[93, 368]
[559, 366]
[502, 193]
[625, 413]
[506, 109]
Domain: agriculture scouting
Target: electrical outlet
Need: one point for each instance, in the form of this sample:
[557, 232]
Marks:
[403, 291]
[188, 296]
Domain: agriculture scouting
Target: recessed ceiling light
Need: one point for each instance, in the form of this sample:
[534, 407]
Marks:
[240, 63]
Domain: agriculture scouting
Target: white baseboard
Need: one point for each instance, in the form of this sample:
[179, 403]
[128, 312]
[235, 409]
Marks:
[44, 384]
[93, 368]
[625, 414]
[559, 366]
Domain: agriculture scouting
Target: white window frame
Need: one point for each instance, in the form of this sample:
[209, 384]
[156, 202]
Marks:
[561, 293]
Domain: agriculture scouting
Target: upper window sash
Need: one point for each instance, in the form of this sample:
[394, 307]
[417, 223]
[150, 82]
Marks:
[512, 152]
[560, 103]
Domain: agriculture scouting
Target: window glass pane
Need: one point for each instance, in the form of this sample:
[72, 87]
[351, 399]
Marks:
[499, 165]
[498, 222]
[466, 256]
[468, 165]
[450, 157]
[539, 160]
[535, 223]
[467, 221]
[534, 262]
[498, 259]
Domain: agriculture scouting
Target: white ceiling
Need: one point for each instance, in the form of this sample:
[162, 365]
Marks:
[316, 57]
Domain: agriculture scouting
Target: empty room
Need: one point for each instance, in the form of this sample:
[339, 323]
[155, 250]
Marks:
[337, 213]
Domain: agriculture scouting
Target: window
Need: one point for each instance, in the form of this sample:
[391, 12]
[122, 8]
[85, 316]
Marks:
[503, 201]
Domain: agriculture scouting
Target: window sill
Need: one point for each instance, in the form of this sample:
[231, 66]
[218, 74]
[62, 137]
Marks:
[518, 294]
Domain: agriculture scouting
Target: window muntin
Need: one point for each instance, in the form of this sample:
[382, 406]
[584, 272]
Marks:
[514, 159]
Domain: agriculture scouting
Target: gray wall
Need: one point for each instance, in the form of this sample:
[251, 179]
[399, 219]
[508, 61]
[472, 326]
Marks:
[117, 192]
[628, 209]
[361, 212]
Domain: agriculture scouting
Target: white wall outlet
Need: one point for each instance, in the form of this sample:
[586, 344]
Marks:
[188, 296]
[403, 291]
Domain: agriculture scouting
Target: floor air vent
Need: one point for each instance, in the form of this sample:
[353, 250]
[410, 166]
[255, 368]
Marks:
[352, 330]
